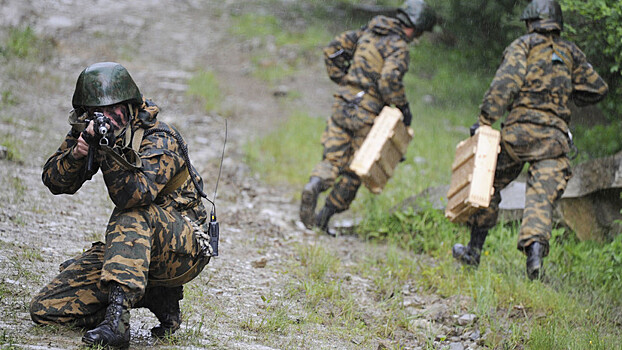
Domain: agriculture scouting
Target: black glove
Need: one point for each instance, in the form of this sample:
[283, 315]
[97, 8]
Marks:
[473, 128]
[405, 109]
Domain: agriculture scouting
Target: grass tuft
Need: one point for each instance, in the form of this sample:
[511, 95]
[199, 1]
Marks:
[204, 85]
[292, 163]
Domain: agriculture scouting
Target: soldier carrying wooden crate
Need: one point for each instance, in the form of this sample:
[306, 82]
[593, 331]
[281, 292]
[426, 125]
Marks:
[539, 74]
[369, 65]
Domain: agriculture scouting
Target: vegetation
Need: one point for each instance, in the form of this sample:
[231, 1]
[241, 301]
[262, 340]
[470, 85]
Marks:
[278, 53]
[204, 86]
[279, 164]
[576, 306]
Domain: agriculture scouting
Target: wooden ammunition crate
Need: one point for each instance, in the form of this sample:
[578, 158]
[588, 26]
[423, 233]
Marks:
[473, 172]
[382, 150]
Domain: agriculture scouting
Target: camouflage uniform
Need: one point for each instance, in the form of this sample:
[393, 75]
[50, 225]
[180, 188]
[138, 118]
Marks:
[539, 74]
[150, 248]
[379, 58]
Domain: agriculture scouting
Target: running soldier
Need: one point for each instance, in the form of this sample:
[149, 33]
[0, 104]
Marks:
[150, 249]
[539, 75]
[368, 64]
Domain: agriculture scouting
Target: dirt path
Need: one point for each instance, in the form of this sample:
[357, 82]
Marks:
[162, 43]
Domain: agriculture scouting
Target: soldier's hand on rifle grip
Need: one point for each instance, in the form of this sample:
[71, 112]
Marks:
[473, 128]
[81, 148]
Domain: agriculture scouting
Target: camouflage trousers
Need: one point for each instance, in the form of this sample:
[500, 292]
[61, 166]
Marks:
[546, 179]
[146, 247]
[345, 132]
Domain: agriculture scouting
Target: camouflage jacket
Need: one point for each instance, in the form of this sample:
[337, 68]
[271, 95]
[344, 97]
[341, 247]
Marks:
[372, 59]
[161, 159]
[539, 74]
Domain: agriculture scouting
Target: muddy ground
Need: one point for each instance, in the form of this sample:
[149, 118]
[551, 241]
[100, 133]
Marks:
[163, 43]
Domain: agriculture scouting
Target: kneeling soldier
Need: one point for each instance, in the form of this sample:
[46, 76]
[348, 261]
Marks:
[150, 249]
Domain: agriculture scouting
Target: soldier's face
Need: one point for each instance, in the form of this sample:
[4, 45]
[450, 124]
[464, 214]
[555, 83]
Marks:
[412, 33]
[117, 114]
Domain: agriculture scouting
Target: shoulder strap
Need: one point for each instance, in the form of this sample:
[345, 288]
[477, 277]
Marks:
[137, 139]
[175, 182]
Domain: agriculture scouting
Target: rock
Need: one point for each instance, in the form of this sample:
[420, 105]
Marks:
[591, 204]
[281, 91]
[412, 301]
[474, 335]
[456, 346]
[260, 263]
[419, 160]
[4, 152]
[466, 319]
[382, 346]
[428, 99]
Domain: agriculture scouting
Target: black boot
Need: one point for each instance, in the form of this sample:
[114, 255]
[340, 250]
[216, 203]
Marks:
[164, 303]
[535, 253]
[114, 331]
[470, 254]
[323, 217]
[309, 200]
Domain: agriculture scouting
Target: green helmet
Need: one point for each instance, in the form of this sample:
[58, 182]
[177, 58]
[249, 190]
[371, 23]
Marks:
[105, 84]
[547, 11]
[417, 14]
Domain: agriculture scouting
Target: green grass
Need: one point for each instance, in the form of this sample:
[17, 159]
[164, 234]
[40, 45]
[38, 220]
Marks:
[278, 53]
[204, 86]
[598, 141]
[292, 164]
[23, 43]
[13, 146]
[582, 292]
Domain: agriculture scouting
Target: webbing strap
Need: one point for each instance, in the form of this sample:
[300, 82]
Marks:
[175, 182]
[134, 163]
[137, 139]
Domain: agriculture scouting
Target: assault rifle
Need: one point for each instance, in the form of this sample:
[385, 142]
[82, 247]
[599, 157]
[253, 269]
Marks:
[102, 137]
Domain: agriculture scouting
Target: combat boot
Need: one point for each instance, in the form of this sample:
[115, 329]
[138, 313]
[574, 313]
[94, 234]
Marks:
[470, 254]
[165, 306]
[309, 200]
[535, 253]
[114, 331]
[323, 217]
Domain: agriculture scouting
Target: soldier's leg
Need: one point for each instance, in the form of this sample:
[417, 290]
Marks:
[164, 303]
[175, 262]
[141, 243]
[546, 182]
[338, 200]
[74, 296]
[483, 220]
[344, 191]
[337, 145]
[148, 243]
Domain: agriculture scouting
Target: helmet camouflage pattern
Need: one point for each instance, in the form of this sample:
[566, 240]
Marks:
[417, 14]
[105, 84]
[547, 11]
